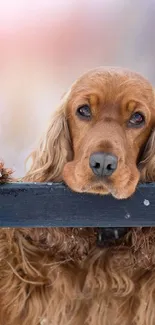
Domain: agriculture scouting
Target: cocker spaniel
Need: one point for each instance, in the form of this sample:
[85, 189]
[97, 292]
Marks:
[100, 140]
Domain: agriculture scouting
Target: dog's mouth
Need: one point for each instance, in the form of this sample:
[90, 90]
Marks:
[122, 191]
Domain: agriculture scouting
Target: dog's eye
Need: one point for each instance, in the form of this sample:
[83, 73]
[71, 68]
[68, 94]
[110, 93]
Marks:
[84, 112]
[136, 120]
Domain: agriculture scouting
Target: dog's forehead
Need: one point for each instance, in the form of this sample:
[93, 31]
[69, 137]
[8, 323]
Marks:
[111, 82]
[112, 73]
[111, 78]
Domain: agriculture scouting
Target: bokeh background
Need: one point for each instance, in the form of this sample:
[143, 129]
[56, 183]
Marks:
[46, 44]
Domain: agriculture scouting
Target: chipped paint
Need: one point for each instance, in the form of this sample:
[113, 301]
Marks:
[146, 202]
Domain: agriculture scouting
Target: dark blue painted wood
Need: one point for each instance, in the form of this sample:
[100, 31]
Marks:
[54, 205]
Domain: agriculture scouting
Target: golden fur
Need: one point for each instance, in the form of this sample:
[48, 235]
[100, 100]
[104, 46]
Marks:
[59, 276]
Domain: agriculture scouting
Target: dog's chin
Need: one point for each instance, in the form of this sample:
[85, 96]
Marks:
[123, 189]
[96, 190]
[119, 194]
[124, 192]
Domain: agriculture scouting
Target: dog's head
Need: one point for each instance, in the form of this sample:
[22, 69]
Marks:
[101, 139]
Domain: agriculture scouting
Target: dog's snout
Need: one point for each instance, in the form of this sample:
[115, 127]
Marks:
[103, 164]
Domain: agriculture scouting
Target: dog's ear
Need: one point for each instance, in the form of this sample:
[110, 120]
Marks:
[147, 164]
[54, 150]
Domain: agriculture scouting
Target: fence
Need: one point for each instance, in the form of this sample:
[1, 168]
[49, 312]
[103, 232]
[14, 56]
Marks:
[54, 205]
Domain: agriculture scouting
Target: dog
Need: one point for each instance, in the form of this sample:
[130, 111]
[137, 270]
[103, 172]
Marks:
[101, 140]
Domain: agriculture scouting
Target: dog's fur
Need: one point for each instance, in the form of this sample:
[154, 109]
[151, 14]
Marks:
[59, 276]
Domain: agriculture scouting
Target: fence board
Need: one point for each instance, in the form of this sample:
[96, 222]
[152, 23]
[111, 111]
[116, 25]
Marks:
[54, 205]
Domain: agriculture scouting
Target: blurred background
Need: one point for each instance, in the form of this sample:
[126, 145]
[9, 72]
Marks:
[45, 45]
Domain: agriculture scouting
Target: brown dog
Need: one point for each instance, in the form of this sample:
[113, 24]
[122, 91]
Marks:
[96, 139]
[100, 140]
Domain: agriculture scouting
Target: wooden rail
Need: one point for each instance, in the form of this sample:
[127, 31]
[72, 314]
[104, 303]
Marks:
[54, 205]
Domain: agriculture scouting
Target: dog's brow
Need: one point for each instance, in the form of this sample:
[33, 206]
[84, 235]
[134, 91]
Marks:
[81, 97]
[93, 99]
[131, 106]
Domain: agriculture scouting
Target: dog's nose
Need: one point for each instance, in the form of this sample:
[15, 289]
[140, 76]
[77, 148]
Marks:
[103, 164]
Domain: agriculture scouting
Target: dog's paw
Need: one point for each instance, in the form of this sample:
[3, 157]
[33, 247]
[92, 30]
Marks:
[5, 174]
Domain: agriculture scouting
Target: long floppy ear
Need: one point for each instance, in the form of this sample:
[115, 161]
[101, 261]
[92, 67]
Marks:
[53, 151]
[147, 164]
